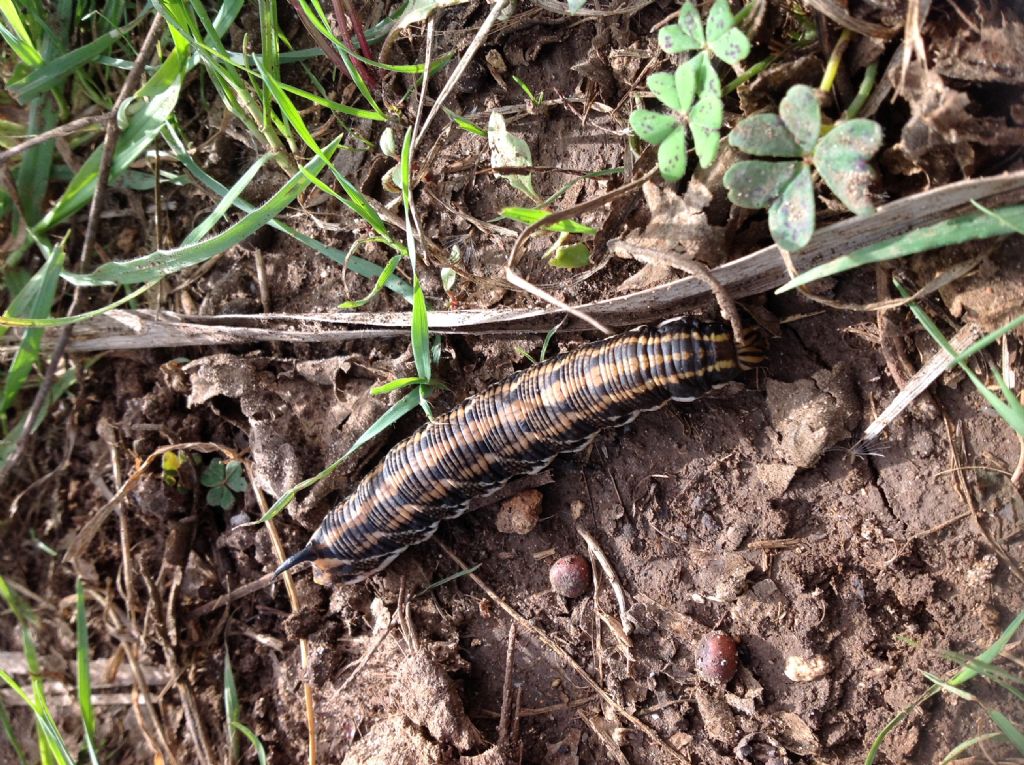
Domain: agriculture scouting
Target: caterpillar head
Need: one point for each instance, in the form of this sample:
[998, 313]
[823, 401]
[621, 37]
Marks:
[751, 348]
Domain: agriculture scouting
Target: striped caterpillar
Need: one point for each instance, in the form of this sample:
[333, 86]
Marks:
[515, 427]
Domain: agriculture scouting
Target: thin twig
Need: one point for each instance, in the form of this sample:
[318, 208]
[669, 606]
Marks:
[965, 491]
[505, 721]
[464, 62]
[609, 571]
[67, 128]
[293, 600]
[562, 654]
[702, 273]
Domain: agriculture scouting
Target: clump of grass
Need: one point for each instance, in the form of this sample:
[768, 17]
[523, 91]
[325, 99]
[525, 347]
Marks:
[51, 744]
[981, 666]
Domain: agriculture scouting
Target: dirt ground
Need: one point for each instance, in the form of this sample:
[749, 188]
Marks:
[843, 572]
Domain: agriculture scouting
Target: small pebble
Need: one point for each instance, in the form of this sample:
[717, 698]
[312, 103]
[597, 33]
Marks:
[716, 658]
[801, 670]
[518, 514]
[570, 576]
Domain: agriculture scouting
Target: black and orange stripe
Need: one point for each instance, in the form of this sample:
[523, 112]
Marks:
[515, 427]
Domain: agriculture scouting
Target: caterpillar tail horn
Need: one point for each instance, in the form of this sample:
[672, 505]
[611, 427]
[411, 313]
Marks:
[307, 553]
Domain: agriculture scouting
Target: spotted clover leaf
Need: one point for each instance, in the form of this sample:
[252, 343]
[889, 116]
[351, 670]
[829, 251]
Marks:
[786, 186]
[693, 94]
[718, 34]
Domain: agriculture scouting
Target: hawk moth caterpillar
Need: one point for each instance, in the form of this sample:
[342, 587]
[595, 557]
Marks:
[515, 427]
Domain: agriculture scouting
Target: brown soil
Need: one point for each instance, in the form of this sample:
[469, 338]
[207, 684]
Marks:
[748, 512]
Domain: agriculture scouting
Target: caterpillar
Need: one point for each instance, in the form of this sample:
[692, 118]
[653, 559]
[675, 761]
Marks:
[515, 427]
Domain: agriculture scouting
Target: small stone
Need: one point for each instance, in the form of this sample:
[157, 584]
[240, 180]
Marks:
[717, 658]
[801, 670]
[518, 514]
[570, 576]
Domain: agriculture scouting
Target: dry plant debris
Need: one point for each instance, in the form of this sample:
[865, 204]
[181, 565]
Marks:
[214, 189]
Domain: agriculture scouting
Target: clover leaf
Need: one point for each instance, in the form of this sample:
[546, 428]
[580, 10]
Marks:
[786, 188]
[224, 480]
[693, 94]
[718, 35]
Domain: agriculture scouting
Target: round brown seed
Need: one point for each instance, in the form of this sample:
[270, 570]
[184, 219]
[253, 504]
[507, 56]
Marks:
[570, 576]
[716, 658]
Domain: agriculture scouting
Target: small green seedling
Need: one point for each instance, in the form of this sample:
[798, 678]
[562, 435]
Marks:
[509, 150]
[536, 100]
[786, 187]
[693, 93]
[170, 467]
[564, 255]
[224, 480]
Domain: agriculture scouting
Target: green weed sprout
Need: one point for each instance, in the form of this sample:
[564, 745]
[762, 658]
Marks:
[693, 93]
[224, 480]
[786, 187]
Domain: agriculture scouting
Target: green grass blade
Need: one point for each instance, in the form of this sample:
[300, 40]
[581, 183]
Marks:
[991, 653]
[401, 382]
[157, 98]
[1012, 732]
[51, 74]
[944, 686]
[38, 299]
[51, 743]
[530, 215]
[9, 734]
[232, 708]
[270, 58]
[33, 174]
[84, 683]
[966, 674]
[294, 119]
[973, 226]
[356, 264]
[17, 36]
[991, 337]
[988, 670]
[405, 164]
[227, 201]
[162, 262]
[1008, 407]
[963, 746]
[60, 321]
[420, 332]
[352, 111]
[465, 124]
[261, 752]
[382, 280]
[398, 410]
[447, 579]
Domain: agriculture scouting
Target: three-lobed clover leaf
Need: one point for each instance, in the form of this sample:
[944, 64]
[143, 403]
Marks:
[224, 480]
[718, 34]
[786, 187]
